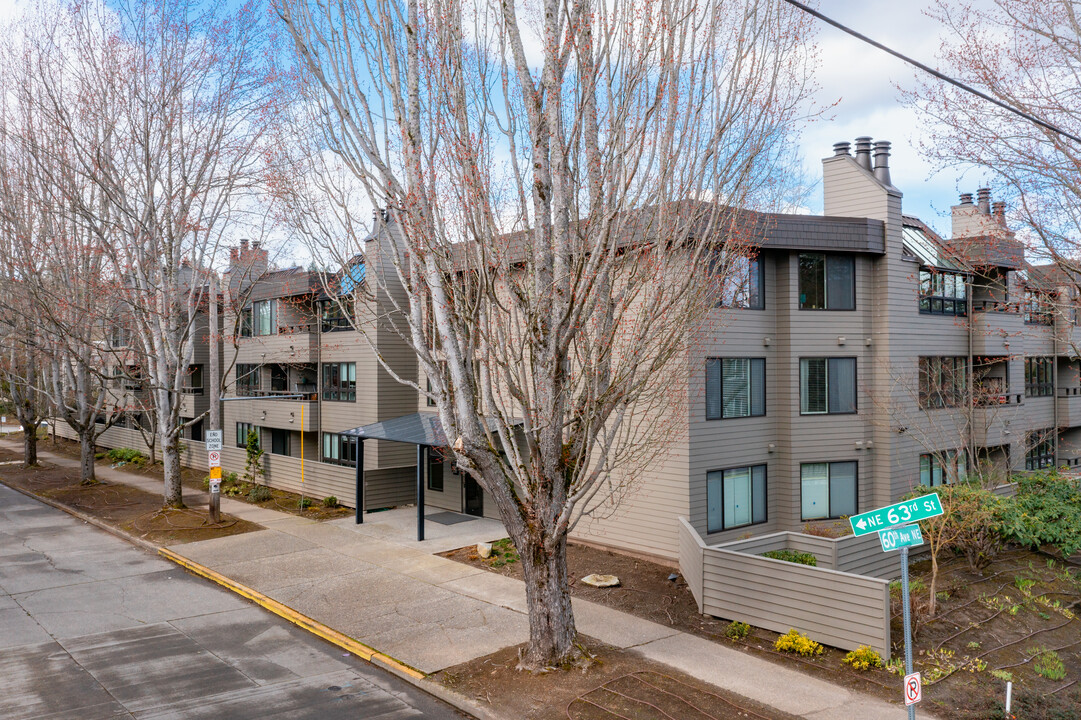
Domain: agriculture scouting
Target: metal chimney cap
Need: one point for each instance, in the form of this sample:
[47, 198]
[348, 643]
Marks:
[966, 198]
[983, 199]
[863, 152]
[882, 162]
[841, 148]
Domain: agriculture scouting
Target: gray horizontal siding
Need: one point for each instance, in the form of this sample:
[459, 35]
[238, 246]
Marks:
[691, 552]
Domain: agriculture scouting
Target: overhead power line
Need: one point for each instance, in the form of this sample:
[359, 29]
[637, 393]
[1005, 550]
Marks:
[945, 78]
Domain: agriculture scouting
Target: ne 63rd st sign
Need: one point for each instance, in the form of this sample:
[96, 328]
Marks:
[914, 510]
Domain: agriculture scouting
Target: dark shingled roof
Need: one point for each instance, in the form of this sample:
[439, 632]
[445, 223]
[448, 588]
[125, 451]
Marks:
[990, 251]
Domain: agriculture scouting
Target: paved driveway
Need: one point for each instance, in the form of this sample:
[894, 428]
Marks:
[92, 627]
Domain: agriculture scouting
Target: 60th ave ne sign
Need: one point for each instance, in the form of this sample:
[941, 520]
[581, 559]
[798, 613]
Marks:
[913, 510]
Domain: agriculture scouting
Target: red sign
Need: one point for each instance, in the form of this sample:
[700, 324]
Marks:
[913, 689]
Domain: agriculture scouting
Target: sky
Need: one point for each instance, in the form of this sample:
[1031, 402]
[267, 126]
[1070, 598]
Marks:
[864, 80]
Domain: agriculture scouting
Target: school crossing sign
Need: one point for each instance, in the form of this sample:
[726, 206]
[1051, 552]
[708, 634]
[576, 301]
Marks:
[909, 511]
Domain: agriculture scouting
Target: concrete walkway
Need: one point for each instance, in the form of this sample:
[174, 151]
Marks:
[375, 583]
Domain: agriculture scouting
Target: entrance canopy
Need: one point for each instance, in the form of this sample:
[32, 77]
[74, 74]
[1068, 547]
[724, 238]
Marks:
[416, 429]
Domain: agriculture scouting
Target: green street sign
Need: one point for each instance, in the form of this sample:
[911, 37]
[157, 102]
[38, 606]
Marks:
[913, 510]
[899, 537]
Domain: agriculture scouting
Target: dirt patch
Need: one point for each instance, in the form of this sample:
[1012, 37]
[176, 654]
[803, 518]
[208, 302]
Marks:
[133, 510]
[620, 684]
[1003, 620]
[193, 479]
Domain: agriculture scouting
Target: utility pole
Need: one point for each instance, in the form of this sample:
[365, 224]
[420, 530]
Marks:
[214, 418]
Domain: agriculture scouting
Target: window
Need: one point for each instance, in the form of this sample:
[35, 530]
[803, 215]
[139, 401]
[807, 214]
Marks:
[735, 497]
[435, 469]
[827, 282]
[1041, 450]
[828, 490]
[247, 379]
[741, 279]
[193, 383]
[245, 322]
[942, 293]
[279, 378]
[943, 381]
[242, 430]
[264, 317]
[1038, 308]
[1039, 377]
[943, 467]
[335, 317]
[827, 386]
[196, 431]
[340, 381]
[735, 387]
[339, 449]
[119, 336]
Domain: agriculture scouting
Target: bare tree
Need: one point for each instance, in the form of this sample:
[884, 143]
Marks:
[552, 175]
[1027, 54]
[174, 101]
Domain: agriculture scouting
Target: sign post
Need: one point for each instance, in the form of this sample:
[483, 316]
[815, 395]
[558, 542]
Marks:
[893, 533]
[213, 456]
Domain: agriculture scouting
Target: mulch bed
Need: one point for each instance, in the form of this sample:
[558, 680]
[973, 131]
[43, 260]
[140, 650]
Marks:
[619, 684]
[1000, 619]
[133, 510]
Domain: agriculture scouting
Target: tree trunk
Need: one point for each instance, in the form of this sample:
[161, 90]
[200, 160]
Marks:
[86, 457]
[551, 620]
[30, 445]
[170, 460]
[934, 582]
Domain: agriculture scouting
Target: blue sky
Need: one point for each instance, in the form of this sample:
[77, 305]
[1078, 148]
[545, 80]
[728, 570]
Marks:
[864, 80]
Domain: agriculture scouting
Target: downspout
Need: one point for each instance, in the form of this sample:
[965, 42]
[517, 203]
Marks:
[971, 404]
[1054, 377]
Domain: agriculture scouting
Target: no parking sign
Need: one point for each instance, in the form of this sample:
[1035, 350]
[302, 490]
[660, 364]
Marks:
[913, 689]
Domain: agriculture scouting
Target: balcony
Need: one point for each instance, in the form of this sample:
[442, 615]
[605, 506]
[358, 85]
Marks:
[1069, 407]
[291, 344]
[285, 414]
[993, 325]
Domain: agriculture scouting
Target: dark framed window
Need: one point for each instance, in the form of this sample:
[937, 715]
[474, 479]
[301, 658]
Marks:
[827, 282]
[943, 293]
[195, 431]
[735, 387]
[245, 322]
[735, 497]
[1038, 308]
[435, 469]
[193, 383]
[943, 467]
[265, 317]
[247, 379]
[119, 336]
[1041, 450]
[279, 441]
[340, 381]
[279, 378]
[943, 381]
[827, 386]
[828, 490]
[242, 430]
[336, 317]
[742, 281]
[339, 449]
[1039, 377]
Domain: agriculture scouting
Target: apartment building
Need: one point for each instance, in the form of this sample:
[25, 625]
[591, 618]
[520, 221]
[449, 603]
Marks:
[863, 355]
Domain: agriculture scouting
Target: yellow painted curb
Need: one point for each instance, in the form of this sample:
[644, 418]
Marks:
[331, 635]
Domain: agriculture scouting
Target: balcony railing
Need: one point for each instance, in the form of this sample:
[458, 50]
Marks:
[191, 390]
[995, 306]
[308, 395]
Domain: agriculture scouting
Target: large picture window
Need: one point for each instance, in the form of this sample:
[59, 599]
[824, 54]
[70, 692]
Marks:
[339, 449]
[943, 381]
[340, 381]
[242, 430]
[1041, 450]
[735, 387]
[265, 317]
[735, 497]
[1039, 377]
[943, 467]
[942, 293]
[247, 379]
[828, 490]
[827, 386]
[827, 282]
[1039, 308]
[742, 284]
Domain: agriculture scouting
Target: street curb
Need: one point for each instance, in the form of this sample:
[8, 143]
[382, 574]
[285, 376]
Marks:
[365, 652]
[112, 530]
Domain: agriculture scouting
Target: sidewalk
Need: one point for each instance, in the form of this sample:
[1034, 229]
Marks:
[375, 584]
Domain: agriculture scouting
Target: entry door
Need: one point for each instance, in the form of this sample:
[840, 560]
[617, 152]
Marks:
[474, 496]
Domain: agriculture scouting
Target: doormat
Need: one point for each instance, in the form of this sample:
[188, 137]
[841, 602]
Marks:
[449, 518]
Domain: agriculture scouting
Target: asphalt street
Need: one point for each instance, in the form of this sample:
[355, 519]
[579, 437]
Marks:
[93, 627]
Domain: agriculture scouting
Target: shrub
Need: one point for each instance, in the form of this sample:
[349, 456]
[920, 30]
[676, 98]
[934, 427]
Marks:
[796, 642]
[304, 503]
[792, 556]
[833, 530]
[737, 630]
[259, 493]
[863, 658]
[1045, 511]
[330, 502]
[127, 455]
